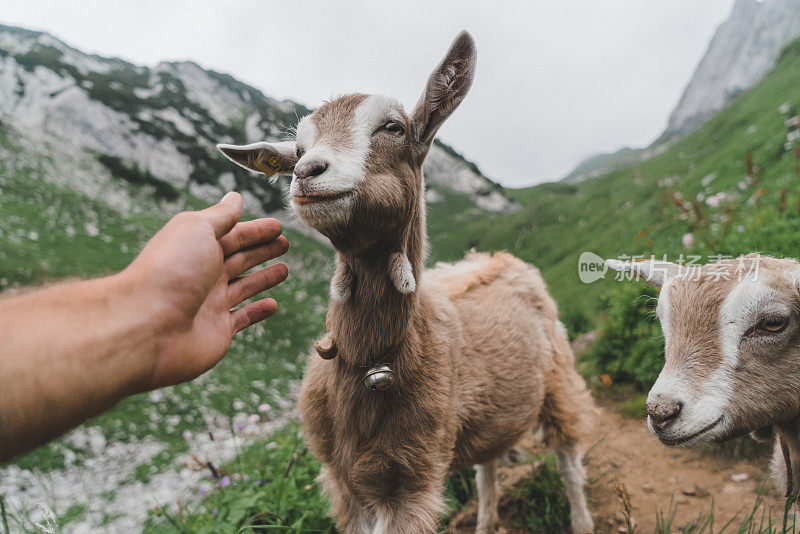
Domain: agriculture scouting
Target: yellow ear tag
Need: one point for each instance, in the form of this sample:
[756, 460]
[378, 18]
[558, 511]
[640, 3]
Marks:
[270, 165]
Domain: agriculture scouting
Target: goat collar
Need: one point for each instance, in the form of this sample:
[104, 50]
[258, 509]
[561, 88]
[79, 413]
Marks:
[379, 377]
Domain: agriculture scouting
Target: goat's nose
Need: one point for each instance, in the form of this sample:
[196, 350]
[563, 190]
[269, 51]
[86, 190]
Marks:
[663, 413]
[310, 169]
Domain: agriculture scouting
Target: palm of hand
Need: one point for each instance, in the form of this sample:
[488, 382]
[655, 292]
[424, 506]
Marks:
[195, 265]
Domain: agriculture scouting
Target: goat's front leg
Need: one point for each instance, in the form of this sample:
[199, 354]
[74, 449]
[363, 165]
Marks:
[351, 516]
[486, 480]
[417, 512]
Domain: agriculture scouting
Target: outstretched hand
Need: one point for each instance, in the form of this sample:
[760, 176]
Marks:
[72, 350]
[194, 271]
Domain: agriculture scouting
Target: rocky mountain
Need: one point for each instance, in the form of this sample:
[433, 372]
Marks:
[156, 128]
[744, 48]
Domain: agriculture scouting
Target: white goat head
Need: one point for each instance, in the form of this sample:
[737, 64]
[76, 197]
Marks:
[732, 332]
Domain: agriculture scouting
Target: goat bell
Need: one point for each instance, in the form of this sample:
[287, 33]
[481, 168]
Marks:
[379, 377]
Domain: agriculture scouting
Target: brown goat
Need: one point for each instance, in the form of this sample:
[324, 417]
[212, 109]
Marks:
[476, 354]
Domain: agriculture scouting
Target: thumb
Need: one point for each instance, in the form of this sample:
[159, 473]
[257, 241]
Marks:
[225, 214]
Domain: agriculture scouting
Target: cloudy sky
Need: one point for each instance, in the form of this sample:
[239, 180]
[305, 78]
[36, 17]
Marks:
[557, 81]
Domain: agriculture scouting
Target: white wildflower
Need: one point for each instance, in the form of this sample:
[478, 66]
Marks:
[49, 524]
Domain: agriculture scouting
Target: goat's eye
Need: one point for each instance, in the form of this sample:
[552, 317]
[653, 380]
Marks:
[393, 127]
[299, 152]
[773, 325]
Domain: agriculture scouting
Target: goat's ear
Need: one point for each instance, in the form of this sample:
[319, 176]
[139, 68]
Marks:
[654, 272]
[447, 87]
[792, 271]
[267, 158]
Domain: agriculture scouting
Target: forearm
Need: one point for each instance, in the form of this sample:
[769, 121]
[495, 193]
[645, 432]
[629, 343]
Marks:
[69, 352]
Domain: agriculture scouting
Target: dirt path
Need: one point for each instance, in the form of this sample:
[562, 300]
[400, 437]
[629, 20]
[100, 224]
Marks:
[653, 475]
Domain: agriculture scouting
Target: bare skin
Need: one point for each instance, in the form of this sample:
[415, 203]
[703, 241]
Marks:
[72, 351]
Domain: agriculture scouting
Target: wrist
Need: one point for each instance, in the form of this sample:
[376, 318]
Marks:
[144, 321]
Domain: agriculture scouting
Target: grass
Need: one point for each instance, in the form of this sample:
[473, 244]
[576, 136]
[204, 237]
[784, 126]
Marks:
[272, 487]
[264, 487]
[759, 520]
[459, 490]
[539, 502]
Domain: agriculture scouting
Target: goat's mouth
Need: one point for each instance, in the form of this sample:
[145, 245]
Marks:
[315, 198]
[674, 442]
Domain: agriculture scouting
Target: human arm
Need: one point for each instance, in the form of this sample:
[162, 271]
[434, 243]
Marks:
[72, 351]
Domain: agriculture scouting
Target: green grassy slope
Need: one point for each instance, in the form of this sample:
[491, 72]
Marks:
[604, 215]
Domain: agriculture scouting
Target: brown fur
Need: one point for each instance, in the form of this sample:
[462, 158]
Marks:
[456, 283]
[695, 340]
[333, 122]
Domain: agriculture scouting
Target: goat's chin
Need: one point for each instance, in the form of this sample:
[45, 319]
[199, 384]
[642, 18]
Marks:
[692, 435]
[327, 214]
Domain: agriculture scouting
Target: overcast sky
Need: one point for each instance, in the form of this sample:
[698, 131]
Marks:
[556, 81]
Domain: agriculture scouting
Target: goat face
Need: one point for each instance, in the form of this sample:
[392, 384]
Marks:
[356, 163]
[357, 173]
[732, 331]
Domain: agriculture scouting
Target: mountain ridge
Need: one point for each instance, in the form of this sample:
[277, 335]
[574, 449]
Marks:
[159, 125]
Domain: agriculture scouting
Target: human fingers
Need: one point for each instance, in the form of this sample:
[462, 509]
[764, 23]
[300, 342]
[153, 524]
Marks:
[250, 233]
[247, 286]
[252, 313]
[225, 214]
[244, 260]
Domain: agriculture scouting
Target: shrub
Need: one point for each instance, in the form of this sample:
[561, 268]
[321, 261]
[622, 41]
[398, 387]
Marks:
[576, 321]
[630, 346]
